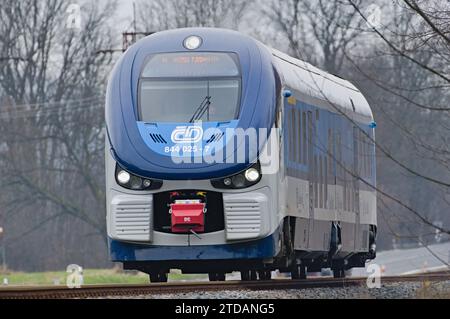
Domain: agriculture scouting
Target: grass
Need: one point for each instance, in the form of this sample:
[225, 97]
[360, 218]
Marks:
[430, 290]
[90, 277]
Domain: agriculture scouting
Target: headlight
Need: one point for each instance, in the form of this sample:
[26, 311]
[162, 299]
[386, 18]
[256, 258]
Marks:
[252, 174]
[227, 181]
[192, 42]
[146, 183]
[123, 177]
[134, 182]
[238, 181]
[243, 179]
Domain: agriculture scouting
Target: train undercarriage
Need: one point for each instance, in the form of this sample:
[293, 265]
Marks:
[297, 263]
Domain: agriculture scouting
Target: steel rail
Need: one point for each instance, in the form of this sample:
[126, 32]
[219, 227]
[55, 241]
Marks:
[95, 291]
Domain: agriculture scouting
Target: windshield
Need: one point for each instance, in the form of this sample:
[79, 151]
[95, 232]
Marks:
[188, 87]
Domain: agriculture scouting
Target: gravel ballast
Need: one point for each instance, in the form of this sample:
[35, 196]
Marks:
[386, 291]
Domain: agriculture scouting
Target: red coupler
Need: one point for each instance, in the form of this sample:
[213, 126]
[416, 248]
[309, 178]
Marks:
[188, 216]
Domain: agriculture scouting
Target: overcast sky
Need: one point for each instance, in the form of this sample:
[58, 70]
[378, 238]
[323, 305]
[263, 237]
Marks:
[125, 12]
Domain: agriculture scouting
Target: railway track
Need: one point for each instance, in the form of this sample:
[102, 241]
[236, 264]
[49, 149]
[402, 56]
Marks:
[98, 291]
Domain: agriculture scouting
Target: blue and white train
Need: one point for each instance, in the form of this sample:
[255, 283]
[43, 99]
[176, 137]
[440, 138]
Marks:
[183, 192]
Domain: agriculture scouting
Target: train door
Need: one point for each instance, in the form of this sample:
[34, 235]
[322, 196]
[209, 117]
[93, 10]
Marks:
[356, 186]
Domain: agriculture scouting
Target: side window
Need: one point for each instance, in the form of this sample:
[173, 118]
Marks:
[366, 156]
[361, 157]
[316, 182]
[340, 170]
[330, 150]
[298, 135]
[321, 180]
[294, 137]
[369, 156]
[339, 156]
[279, 109]
[291, 135]
[325, 180]
[304, 140]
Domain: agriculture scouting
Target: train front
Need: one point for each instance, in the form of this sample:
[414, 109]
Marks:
[189, 113]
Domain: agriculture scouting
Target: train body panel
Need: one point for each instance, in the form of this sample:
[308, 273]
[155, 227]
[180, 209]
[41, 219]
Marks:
[329, 159]
[301, 196]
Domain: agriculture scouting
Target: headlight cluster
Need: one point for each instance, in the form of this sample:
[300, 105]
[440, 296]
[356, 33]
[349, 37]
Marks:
[246, 178]
[131, 181]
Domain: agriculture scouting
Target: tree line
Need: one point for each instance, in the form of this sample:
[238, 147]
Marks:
[52, 83]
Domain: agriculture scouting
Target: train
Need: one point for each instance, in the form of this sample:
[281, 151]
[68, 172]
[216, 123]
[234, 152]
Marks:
[225, 155]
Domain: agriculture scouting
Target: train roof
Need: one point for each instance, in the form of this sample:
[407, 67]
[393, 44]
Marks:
[317, 87]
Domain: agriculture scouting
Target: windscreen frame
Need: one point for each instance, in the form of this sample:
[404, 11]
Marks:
[237, 77]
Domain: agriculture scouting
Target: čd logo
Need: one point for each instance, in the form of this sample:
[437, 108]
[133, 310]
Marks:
[187, 134]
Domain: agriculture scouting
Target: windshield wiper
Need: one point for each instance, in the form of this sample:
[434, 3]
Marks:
[201, 109]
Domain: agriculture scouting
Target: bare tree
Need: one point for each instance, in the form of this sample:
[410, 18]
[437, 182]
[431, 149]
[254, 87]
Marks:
[317, 31]
[158, 15]
[407, 59]
[52, 132]
[405, 74]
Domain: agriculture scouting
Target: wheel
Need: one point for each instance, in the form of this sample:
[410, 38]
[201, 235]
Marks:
[298, 272]
[154, 277]
[158, 277]
[214, 276]
[253, 275]
[261, 275]
[245, 275]
[220, 276]
[339, 273]
[264, 274]
[302, 272]
[163, 277]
